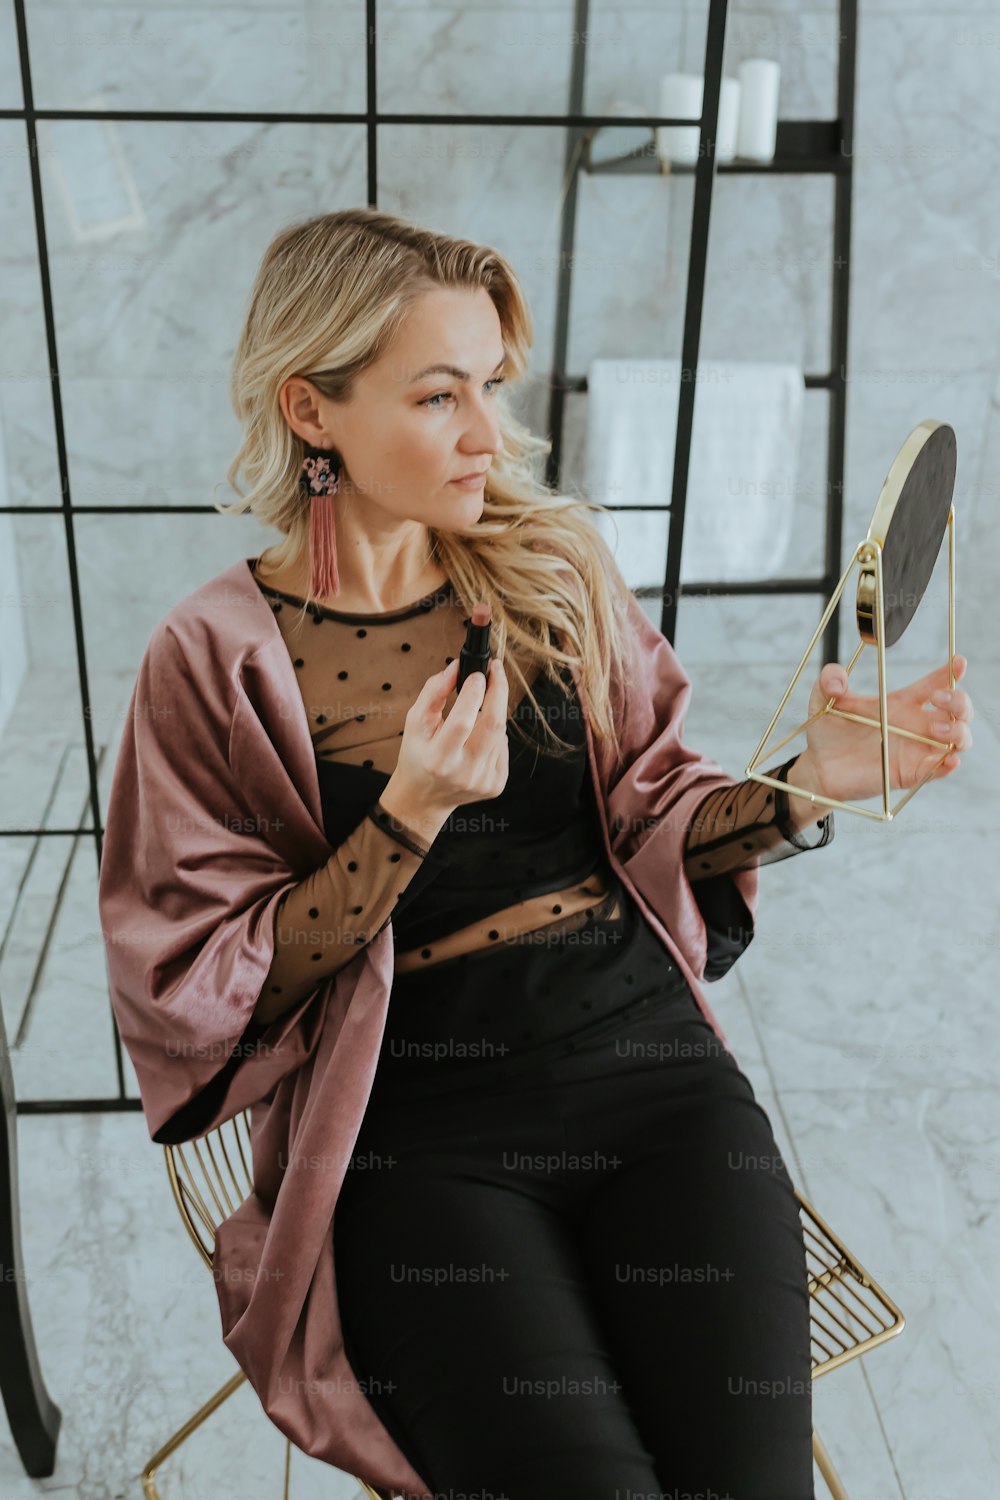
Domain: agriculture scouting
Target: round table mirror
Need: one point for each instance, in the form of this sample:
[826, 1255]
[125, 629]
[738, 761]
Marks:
[910, 520]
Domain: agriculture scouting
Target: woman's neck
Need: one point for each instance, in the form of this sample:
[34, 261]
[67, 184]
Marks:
[293, 578]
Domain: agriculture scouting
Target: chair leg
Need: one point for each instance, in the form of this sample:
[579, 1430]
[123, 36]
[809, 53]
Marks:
[183, 1433]
[825, 1465]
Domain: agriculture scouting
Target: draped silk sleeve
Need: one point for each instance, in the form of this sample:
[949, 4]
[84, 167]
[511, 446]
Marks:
[189, 887]
[652, 796]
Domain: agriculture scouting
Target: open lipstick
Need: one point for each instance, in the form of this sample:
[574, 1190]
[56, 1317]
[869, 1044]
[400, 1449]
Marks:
[475, 654]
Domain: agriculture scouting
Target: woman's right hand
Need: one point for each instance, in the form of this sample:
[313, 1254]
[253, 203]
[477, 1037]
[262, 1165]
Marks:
[444, 763]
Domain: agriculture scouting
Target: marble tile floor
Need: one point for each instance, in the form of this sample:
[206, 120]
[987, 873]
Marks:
[861, 1013]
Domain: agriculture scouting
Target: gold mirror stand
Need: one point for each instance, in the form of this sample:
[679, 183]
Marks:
[868, 556]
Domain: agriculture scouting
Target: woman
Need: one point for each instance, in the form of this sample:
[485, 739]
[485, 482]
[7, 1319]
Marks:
[566, 1255]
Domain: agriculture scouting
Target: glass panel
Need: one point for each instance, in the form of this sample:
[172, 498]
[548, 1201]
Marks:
[29, 471]
[148, 306]
[630, 46]
[44, 780]
[462, 180]
[52, 971]
[262, 56]
[770, 266]
[11, 92]
[476, 57]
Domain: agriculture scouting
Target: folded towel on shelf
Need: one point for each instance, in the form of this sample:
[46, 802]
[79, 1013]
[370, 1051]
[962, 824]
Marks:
[741, 475]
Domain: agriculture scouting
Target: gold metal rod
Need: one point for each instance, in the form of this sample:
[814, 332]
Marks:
[825, 1465]
[805, 657]
[191, 1190]
[231, 1177]
[951, 597]
[217, 1177]
[207, 1176]
[183, 1433]
[883, 704]
[181, 1206]
[824, 1309]
[827, 1352]
[247, 1171]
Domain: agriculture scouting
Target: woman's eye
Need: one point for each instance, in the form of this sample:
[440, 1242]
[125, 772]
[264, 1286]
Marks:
[497, 380]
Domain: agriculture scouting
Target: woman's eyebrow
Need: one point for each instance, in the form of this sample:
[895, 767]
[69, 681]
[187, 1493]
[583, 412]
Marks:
[452, 370]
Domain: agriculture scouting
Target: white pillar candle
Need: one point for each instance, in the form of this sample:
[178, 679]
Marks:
[759, 78]
[680, 96]
[729, 119]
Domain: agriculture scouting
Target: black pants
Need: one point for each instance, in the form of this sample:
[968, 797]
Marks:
[578, 1270]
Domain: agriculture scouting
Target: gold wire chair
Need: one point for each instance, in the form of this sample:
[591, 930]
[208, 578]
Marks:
[849, 1312]
[210, 1178]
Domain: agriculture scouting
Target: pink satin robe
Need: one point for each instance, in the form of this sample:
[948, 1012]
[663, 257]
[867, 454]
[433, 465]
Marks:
[214, 813]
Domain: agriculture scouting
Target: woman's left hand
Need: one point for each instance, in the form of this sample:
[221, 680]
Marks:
[844, 759]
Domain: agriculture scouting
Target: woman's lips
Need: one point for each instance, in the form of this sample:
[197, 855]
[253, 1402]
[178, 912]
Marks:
[475, 482]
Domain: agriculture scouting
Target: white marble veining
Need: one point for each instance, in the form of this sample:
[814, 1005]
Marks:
[864, 1011]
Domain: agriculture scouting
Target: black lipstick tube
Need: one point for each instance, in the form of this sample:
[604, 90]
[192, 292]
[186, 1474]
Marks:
[475, 654]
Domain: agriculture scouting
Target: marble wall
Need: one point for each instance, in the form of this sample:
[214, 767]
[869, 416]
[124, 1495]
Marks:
[863, 1011]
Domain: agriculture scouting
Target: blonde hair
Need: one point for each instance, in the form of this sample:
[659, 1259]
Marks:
[330, 296]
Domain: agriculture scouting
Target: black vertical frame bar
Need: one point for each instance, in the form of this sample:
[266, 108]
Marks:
[33, 1416]
[839, 307]
[371, 98]
[701, 213]
[575, 138]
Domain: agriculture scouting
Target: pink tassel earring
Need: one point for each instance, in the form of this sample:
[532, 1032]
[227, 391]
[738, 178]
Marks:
[320, 480]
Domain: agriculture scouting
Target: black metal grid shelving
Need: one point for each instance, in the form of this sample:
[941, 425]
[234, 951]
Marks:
[802, 146]
[823, 146]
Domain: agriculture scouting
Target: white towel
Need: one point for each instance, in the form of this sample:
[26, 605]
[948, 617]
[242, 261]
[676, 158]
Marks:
[741, 476]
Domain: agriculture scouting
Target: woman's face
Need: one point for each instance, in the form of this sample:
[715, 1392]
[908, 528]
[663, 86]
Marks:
[407, 434]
